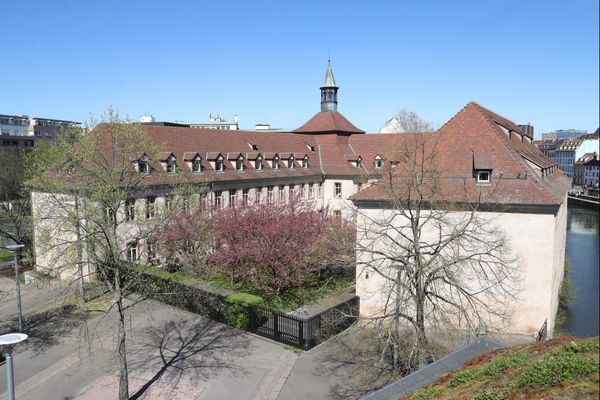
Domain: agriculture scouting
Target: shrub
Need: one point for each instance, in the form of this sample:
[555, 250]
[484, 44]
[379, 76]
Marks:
[425, 394]
[557, 368]
[501, 364]
[464, 376]
[492, 394]
[236, 313]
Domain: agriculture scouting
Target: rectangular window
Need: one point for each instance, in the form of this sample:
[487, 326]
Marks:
[232, 198]
[311, 190]
[258, 164]
[150, 203]
[110, 214]
[151, 251]
[132, 252]
[337, 191]
[196, 166]
[276, 163]
[291, 163]
[301, 195]
[130, 209]
[171, 166]
[169, 202]
[257, 194]
[292, 191]
[305, 163]
[378, 163]
[245, 193]
[219, 165]
[218, 196]
[239, 165]
[483, 177]
[270, 194]
[320, 190]
[144, 168]
[281, 193]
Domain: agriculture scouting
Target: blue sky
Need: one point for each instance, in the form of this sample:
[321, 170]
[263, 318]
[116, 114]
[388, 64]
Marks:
[531, 61]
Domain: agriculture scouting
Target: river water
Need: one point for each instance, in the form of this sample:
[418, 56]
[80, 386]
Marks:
[582, 250]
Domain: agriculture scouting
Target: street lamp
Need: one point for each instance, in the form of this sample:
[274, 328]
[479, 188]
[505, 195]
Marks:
[8, 341]
[16, 249]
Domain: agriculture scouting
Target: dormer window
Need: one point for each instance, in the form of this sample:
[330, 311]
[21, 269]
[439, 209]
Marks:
[291, 163]
[253, 146]
[305, 162]
[143, 167]
[171, 165]
[219, 165]
[378, 162]
[258, 164]
[239, 164]
[484, 176]
[276, 163]
[196, 166]
[483, 164]
[358, 163]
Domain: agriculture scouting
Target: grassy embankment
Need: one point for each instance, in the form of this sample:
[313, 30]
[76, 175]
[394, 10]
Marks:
[563, 368]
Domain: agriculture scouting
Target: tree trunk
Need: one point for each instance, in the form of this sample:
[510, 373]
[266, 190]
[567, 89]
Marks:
[121, 349]
[79, 253]
[396, 330]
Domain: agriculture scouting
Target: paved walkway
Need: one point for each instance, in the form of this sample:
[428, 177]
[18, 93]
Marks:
[168, 350]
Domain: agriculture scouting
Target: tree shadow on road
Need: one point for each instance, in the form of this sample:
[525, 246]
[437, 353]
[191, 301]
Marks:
[194, 349]
[45, 329]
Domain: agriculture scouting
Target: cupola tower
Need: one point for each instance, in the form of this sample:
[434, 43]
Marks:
[329, 91]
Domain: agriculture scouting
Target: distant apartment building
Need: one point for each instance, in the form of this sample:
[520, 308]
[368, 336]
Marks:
[567, 151]
[587, 170]
[527, 129]
[217, 122]
[564, 134]
[21, 130]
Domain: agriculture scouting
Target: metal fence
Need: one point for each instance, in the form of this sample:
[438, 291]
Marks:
[299, 332]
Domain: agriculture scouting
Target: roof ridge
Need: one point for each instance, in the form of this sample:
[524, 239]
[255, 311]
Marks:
[516, 155]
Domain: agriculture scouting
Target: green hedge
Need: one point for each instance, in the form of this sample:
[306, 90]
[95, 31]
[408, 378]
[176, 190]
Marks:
[236, 313]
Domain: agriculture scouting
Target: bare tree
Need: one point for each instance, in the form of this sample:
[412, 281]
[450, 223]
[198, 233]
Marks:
[428, 257]
[95, 208]
[15, 217]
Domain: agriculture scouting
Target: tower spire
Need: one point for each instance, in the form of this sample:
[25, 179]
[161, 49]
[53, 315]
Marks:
[329, 91]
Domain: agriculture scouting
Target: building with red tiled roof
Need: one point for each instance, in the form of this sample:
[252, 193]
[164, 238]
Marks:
[480, 155]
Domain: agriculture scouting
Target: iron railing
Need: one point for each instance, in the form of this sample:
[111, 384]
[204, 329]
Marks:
[304, 333]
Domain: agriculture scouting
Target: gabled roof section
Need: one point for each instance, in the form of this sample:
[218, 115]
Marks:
[474, 137]
[325, 122]
[190, 155]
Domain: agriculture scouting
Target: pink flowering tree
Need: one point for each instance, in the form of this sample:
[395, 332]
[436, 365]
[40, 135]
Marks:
[275, 246]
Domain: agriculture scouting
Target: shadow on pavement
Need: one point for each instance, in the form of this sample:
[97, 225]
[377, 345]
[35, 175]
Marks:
[194, 349]
[46, 328]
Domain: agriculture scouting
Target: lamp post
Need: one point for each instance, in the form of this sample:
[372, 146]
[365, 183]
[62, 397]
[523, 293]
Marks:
[8, 341]
[16, 249]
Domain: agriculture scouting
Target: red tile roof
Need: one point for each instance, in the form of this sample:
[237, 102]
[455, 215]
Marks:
[477, 132]
[328, 122]
[475, 136]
